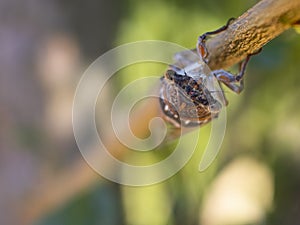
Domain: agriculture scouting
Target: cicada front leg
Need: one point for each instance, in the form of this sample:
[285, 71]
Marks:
[201, 47]
[233, 82]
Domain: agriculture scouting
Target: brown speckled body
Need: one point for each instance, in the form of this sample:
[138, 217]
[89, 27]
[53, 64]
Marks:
[186, 101]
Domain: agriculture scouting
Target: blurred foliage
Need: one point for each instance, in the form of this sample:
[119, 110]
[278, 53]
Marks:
[263, 125]
[93, 207]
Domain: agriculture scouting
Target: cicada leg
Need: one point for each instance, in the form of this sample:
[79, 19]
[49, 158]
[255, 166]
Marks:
[201, 47]
[234, 82]
[229, 80]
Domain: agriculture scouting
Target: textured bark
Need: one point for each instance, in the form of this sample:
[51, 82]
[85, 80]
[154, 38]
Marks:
[251, 31]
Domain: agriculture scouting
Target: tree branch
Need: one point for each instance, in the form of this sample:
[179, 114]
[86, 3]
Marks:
[251, 31]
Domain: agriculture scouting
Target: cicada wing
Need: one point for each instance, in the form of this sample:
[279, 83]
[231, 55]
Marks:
[184, 58]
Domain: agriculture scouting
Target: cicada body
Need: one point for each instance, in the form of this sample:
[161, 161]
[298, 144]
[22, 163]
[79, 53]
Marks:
[190, 93]
[187, 98]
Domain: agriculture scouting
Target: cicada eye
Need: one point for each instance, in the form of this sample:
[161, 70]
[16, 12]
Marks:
[170, 74]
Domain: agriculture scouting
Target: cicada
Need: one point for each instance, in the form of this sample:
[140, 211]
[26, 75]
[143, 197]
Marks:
[190, 93]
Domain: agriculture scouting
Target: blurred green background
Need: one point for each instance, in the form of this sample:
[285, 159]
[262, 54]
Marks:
[45, 47]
